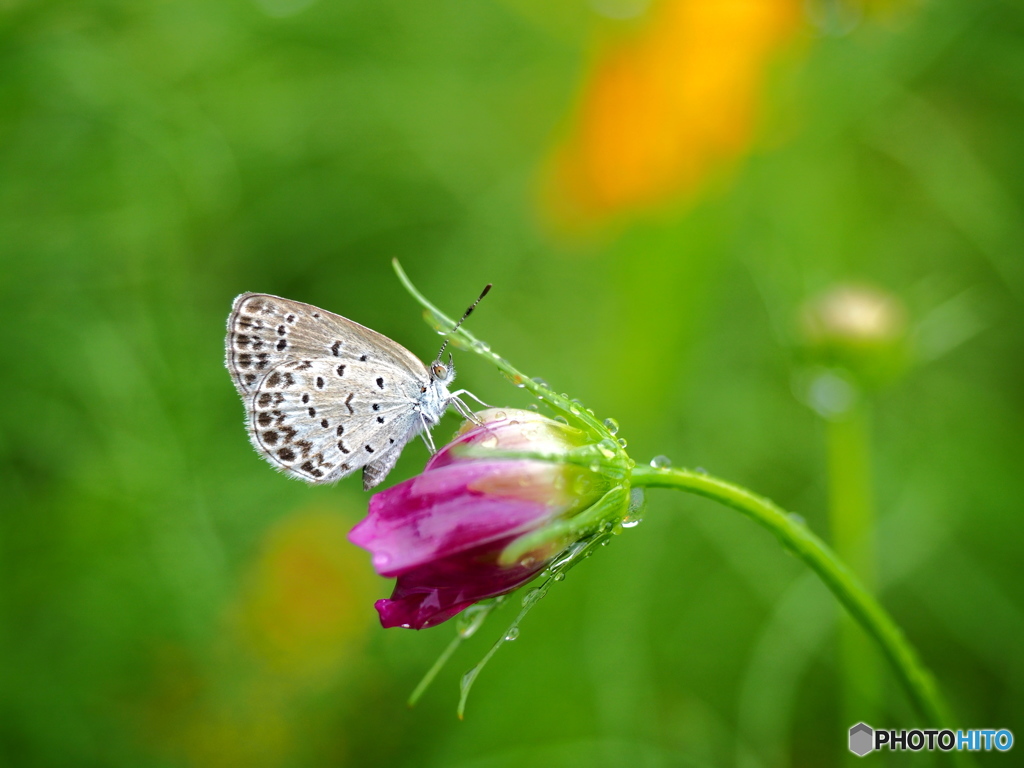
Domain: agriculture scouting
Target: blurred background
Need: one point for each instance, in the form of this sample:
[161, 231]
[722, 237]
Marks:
[778, 240]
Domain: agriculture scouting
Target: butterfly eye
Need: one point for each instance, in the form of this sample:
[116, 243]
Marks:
[440, 370]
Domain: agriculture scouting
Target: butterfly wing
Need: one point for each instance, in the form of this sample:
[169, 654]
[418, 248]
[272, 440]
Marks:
[320, 421]
[324, 396]
[265, 330]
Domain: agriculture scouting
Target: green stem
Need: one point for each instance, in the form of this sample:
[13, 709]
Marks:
[851, 523]
[795, 536]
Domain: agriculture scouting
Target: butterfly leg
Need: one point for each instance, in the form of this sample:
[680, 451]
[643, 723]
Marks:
[464, 410]
[455, 396]
[425, 434]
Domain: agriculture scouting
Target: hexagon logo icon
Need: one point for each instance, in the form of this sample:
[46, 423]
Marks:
[862, 739]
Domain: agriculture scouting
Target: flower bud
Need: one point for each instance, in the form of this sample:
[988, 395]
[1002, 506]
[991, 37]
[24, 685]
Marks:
[442, 533]
[858, 329]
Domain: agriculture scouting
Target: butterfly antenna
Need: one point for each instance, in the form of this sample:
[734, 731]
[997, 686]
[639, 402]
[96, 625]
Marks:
[466, 314]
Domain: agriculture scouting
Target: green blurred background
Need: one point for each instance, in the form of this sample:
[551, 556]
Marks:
[655, 191]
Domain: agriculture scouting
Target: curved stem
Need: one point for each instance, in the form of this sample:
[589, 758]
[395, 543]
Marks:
[466, 340]
[796, 537]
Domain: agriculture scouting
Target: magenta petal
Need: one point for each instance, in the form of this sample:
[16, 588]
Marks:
[439, 513]
[432, 593]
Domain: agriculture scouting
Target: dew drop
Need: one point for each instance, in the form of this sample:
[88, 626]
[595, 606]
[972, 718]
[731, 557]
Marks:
[560, 576]
[637, 501]
[622, 442]
[533, 407]
[608, 448]
[470, 620]
[798, 519]
[512, 634]
[491, 441]
[540, 382]
[612, 426]
[594, 466]
[631, 522]
[561, 419]
[482, 346]
[499, 415]
[530, 431]
[661, 462]
[532, 597]
[700, 471]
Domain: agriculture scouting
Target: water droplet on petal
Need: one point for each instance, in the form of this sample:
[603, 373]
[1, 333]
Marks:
[661, 462]
[612, 426]
[499, 415]
[491, 441]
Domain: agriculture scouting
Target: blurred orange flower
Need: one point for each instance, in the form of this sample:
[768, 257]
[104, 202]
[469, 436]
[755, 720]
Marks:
[662, 109]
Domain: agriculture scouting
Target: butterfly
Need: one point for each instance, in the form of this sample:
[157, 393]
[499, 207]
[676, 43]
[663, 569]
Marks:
[325, 396]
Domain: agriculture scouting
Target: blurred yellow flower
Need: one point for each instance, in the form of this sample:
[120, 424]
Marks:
[661, 110]
[296, 627]
[308, 599]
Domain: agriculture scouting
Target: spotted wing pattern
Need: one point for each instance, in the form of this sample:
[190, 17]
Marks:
[324, 396]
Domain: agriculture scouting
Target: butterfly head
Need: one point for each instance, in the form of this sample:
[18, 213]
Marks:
[441, 372]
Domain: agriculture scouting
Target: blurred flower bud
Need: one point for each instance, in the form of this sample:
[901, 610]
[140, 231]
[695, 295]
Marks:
[443, 533]
[860, 330]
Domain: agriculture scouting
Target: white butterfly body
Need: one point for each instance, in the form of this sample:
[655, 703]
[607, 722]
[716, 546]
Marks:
[325, 396]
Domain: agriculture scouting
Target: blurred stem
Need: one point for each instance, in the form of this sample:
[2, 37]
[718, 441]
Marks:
[851, 518]
[796, 537]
